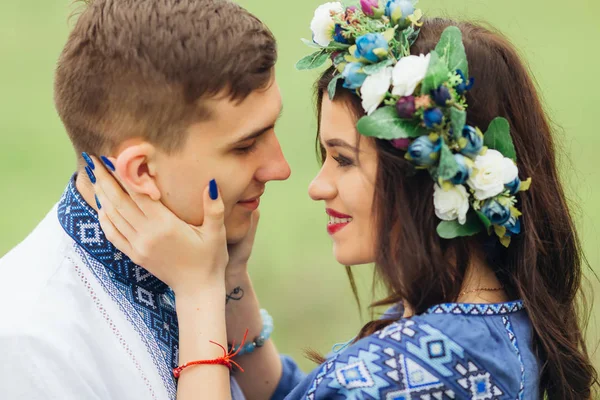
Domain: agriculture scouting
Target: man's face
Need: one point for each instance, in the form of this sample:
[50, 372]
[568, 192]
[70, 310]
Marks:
[237, 146]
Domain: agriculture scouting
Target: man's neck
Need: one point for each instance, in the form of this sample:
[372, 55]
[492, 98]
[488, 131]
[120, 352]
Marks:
[86, 189]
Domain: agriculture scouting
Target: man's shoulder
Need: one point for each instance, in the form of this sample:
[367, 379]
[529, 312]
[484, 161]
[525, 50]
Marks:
[28, 269]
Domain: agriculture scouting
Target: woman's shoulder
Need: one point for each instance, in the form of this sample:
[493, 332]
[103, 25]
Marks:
[452, 351]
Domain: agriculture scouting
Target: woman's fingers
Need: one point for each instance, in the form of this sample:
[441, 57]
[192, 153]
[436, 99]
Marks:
[116, 200]
[214, 209]
[113, 235]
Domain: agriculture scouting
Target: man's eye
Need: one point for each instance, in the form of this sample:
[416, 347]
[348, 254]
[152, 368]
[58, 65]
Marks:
[246, 149]
[343, 161]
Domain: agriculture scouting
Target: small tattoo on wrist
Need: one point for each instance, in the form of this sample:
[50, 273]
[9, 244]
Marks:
[236, 294]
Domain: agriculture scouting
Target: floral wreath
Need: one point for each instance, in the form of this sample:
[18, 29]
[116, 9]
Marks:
[418, 103]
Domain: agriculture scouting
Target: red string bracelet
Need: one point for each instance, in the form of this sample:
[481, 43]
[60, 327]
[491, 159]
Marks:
[226, 360]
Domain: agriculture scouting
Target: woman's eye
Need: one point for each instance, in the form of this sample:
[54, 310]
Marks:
[343, 161]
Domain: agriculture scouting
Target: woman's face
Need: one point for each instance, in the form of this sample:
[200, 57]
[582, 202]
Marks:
[345, 184]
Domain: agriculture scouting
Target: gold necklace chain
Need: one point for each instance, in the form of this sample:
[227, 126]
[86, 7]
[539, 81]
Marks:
[481, 290]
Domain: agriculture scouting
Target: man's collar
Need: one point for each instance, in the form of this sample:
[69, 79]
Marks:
[80, 221]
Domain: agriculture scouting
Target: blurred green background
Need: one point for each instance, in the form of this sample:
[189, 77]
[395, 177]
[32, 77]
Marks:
[294, 271]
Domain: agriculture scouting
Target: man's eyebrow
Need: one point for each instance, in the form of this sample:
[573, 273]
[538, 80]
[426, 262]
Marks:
[261, 131]
[340, 143]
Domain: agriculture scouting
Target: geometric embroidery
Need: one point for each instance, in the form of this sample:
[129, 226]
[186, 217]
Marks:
[513, 341]
[131, 286]
[476, 309]
[406, 360]
[354, 376]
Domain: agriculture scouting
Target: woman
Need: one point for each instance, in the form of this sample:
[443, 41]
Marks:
[483, 280]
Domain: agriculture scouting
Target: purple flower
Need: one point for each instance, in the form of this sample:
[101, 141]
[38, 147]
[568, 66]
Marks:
[433, 117]
[441, 95]
[406, 107]
[401, 144]
[371, 8]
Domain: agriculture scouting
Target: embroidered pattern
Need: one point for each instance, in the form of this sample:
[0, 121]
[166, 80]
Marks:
[410, 360]
[513, 341]
[148, 303]
[476, 309]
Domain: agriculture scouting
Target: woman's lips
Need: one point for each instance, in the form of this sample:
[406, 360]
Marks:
[337, 221]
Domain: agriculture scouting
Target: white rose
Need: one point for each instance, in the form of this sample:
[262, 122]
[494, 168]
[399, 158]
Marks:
[322, 24]
[374, 88]
[408, 73]
[490, 173]
[451, 204]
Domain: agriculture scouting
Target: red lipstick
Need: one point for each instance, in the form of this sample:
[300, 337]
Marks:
[337, 221]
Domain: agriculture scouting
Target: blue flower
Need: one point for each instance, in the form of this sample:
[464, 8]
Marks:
[513, 226]
[465, 170]
[465, 85]
[496, 212]
[514, 186]
[474, 141]
[337, 35]
[372, 47]
[441, 95]
[423, 151]
[399, 10]
[433, 117]
[353, 78]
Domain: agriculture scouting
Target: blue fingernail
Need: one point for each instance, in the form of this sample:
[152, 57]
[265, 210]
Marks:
[98, 202]
[213, 191]
[108, 163]
[88, 160]
[90, 174]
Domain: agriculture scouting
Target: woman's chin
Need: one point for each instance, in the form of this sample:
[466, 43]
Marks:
[350, 256]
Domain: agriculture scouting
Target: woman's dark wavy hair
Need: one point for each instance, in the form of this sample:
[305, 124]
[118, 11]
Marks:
[542, 266]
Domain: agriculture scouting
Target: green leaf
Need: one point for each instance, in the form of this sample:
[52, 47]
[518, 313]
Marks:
[437, 73]
[458, 119]
[372, 69]
[312, 44]
[453, 229]
[384, 123]
[334, 46]
[484, 220]
[448, 166]
[451, 50]
[333, 86]
[315, 60]
[498, 138]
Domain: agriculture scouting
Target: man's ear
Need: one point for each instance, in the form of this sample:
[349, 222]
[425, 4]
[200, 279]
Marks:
[135, 165]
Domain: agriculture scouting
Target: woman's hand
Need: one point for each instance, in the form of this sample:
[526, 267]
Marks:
[187, 258]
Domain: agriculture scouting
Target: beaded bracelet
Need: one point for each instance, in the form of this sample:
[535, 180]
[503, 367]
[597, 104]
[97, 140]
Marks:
[260, 340]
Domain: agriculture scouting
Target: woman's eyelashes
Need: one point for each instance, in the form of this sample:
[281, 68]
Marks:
[343, 161]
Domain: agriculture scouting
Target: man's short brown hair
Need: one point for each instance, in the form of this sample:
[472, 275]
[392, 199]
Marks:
[139, 68]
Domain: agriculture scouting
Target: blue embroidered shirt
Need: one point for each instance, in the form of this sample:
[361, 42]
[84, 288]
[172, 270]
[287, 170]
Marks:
[453, 351]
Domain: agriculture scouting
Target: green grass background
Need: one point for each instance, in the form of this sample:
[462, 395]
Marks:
[294, 271]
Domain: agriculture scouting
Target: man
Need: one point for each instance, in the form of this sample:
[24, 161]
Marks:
[176, 92]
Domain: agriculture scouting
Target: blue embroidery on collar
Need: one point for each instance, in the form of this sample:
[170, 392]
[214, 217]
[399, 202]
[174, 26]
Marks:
[477, 309]
[151, 298]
